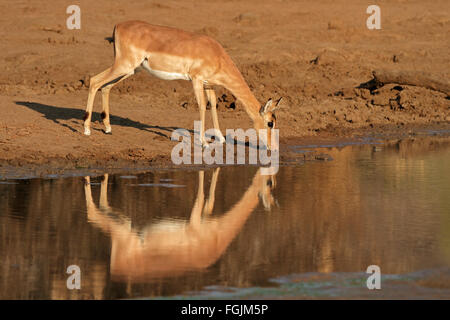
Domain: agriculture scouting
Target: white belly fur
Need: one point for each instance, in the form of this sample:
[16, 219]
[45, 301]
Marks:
[164, 74]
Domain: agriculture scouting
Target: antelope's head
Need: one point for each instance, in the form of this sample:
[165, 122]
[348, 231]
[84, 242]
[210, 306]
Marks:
[268, 183]
[269, 119]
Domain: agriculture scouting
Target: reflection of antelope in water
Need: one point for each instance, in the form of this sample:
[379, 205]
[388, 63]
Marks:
[170, 248]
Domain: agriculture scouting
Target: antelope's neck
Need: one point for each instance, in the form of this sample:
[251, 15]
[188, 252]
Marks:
[249, 101]
[239, 88]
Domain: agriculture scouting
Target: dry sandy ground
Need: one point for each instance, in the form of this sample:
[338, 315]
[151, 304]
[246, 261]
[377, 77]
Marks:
[313, 53]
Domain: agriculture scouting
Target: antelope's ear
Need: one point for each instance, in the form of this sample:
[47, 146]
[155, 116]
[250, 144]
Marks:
[277, 105]
[266, 107]
[278, 102]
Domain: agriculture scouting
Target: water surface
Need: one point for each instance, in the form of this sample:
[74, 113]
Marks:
[310, 231]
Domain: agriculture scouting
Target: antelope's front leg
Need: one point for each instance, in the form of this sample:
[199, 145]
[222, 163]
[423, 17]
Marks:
[213, 101]
[209, 204]
[200, 96]
[196, 213]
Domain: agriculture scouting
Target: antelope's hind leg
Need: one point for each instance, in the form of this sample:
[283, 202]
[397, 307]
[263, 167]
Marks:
[105, 102]
[108, 77]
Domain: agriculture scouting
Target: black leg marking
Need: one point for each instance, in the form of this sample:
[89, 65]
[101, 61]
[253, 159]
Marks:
[86, 115]
[103, 115]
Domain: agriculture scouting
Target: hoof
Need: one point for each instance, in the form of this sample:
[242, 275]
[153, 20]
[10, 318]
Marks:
[107, 131]
[205, 145]
[87, 131]
[221, 139]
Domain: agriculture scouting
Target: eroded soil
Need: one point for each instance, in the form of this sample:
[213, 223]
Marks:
[314, 54]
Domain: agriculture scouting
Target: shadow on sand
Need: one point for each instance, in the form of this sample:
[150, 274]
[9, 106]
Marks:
[56, 114]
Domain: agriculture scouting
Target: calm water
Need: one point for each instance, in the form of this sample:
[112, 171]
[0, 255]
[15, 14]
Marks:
[310, 231]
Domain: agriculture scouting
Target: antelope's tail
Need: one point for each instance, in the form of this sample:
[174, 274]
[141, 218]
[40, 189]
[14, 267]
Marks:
[112, 39]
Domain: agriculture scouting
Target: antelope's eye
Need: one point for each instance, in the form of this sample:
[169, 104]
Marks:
[270, 124]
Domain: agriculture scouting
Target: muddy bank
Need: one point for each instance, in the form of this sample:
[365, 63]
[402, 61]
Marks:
[293, 151]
